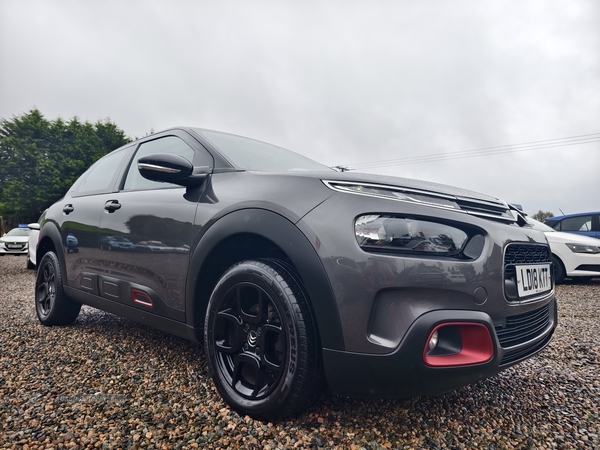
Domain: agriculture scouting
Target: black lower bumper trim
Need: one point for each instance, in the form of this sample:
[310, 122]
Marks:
[589, 267]
[403, 372]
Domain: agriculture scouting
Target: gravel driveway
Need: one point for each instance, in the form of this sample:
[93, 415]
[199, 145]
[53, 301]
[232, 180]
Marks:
[107, 382]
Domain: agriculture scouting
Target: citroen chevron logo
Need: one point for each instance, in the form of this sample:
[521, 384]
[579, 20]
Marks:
[252, 338]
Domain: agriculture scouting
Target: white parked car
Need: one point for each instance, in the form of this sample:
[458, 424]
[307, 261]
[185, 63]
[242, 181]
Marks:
[33, 240]
[14, 242]
[573, 255]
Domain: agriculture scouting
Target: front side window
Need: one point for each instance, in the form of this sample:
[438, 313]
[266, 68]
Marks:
[581, 223]
[99, 178]
[169, 144]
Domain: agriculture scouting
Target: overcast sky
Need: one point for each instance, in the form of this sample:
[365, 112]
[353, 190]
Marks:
[343, 82]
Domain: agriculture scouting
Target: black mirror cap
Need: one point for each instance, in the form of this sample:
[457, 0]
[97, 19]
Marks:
[171, 168]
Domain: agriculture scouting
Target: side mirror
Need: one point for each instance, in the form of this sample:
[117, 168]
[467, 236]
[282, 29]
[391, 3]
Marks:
[33, 226]
[171, 168]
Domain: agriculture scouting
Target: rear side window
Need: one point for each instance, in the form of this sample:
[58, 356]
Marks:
[169, 144]
[581, 223]
[99, 178]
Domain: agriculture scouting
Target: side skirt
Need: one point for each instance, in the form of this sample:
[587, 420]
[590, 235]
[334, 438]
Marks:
[152, 320]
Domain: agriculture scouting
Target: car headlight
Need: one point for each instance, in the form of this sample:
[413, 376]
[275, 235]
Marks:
[581, 248]
[379, 232]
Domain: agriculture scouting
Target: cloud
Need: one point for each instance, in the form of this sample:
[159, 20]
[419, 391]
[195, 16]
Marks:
[342, 82]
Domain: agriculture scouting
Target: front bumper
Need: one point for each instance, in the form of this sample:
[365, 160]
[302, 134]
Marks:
[403, 373]
[13, 251]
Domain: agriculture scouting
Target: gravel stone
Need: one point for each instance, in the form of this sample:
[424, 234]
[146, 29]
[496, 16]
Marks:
[108, 383]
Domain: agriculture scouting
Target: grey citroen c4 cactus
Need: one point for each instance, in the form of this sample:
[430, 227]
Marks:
[296, 276]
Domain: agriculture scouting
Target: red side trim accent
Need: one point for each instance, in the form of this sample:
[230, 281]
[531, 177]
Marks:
[141, 298]
[477, 346]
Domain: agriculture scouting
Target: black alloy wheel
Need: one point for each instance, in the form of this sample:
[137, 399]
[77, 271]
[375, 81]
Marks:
[261, 340]
[52, 305]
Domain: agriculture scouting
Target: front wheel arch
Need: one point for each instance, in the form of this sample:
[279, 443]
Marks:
[282, 240]
[559, 269]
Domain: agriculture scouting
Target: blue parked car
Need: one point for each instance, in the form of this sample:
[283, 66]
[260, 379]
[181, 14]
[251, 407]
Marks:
[582, 223]
[72, 244]
[116, 243]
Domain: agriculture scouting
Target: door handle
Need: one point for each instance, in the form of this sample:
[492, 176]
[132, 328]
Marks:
[112, 206]
[68, 209]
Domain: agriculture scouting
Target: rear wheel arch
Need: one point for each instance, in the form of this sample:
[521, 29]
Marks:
[50, 240]
[53, 306]
[251, 234]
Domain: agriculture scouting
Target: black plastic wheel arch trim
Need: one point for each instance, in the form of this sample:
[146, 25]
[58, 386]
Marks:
[293, 243]
[50, 231]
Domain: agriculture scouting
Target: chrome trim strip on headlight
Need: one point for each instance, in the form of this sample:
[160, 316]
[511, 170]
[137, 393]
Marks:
[336, 186]
[328, 183]
[383, 186]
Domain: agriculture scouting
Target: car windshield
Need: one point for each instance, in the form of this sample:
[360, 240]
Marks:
[539, 225]
[250, 154]
[19, 232]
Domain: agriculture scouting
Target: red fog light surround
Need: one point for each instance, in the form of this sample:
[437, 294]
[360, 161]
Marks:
[472, 343]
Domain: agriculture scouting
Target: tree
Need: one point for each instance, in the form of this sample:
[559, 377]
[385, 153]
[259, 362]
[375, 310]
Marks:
[542, 215]
[40, 159]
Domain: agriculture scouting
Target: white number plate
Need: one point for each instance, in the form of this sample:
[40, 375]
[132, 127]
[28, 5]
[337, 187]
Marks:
[14, 245]
[533, 279]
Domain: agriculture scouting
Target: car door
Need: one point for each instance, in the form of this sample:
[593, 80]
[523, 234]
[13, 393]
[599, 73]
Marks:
[80, 218]
[146, 233]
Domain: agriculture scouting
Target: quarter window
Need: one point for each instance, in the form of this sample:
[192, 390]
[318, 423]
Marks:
[169, 144]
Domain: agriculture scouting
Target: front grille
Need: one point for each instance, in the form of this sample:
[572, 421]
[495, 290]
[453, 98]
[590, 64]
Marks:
[521, 329]
[488, 209]
[14, 245]
[516, 254]
[524, 352]
[526, 254]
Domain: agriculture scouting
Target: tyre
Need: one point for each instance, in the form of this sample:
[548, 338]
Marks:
[261, 341]
[559, 270]
[52, 305]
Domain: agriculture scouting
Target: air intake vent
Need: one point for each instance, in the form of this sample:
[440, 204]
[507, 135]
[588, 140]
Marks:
[521, 329]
